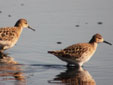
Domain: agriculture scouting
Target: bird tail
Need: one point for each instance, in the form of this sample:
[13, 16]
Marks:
[52, 52]
[56, 53]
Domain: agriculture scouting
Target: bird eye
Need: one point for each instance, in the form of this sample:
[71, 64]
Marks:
[25, 23]
[99, 38]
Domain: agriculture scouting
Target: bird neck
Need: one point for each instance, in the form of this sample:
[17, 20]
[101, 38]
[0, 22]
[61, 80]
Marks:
[93, 43]
[19, 27]
[92, 40]
[18, 24]
[19, 31]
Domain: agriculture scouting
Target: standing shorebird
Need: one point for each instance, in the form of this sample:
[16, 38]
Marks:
[80, 53]
[10, 35]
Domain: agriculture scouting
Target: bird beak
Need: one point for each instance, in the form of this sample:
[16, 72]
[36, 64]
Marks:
[31, 28]
[107, 42]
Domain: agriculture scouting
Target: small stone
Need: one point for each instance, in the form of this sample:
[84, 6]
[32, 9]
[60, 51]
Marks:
[0, 11]
[9, 15]
[22, 4]
[59, 42]
[86, 23]
[77, 25]
[100, 23]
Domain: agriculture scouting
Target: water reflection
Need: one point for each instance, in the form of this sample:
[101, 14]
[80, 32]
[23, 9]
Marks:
[74, 76]
[9, 70]
[5, 59]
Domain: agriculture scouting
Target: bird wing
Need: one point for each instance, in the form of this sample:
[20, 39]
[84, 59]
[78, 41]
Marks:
[7, 35]
[76, 50]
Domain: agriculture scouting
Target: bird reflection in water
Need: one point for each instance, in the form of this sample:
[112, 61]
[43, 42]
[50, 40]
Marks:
[10, 70]
[74, 76]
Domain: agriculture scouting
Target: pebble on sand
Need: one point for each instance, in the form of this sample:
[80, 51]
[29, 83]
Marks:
[77, 25]
[9, 15]
[99, 23]
[0, 11]
[22, 4]
[59, 42]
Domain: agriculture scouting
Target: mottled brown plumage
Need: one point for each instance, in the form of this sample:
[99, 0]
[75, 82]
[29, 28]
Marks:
[10, 35]
[79, 53]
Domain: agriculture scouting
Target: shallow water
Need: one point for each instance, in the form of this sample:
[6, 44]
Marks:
[66, 21]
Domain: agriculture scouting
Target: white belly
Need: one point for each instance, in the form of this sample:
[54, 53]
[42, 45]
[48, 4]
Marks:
[7, 44]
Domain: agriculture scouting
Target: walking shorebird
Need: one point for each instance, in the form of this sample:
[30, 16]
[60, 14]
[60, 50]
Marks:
[10, 35]
[80, 53]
